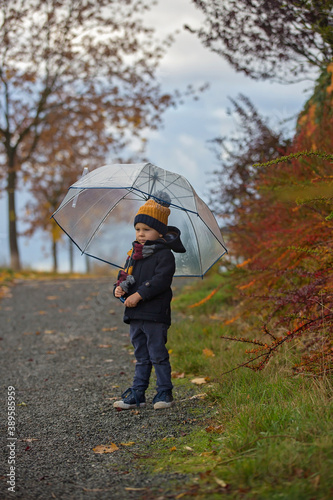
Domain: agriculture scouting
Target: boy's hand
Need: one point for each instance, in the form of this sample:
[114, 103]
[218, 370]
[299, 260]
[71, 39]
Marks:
[133, 300]
[119, 292]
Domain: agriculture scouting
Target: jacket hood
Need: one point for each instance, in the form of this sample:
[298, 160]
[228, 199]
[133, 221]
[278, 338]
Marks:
[173, 241]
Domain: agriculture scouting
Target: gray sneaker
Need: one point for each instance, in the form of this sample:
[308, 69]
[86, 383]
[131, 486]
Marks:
[131, 398]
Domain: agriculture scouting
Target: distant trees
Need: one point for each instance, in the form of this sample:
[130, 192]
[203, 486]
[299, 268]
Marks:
[269, 39]
[81, 72]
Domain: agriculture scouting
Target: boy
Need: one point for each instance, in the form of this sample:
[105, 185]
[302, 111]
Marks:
[146, 288]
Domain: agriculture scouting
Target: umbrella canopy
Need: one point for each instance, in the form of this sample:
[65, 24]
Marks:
[99, 209]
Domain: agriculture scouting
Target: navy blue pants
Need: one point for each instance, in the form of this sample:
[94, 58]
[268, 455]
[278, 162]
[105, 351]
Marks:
[149, 339]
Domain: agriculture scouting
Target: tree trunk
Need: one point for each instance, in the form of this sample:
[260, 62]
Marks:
[71, 257]
[87, 264]
[55, 256]
[13, 245]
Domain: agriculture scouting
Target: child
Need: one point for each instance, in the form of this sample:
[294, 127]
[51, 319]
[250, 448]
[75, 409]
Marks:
[146, 288]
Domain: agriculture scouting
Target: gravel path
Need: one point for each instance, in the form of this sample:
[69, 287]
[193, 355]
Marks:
[67, 353]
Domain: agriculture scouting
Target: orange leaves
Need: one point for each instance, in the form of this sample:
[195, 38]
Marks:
[242, 264]
[208, 353]
[105, 448]
[206, 299]
[243, 287]
[231, 320]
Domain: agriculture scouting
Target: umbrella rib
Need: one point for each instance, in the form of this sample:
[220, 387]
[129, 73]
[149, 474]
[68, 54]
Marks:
[166, 187]
[171, 204]
[209, 229]
[198, 246]
[99, 225]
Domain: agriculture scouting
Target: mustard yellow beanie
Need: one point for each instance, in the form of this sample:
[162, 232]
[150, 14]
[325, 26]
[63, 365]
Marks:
[154, 213]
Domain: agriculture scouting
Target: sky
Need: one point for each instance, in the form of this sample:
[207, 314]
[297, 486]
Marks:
[181, 144]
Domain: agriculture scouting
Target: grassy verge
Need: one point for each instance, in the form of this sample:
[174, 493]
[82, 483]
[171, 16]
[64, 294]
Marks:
[271, 436]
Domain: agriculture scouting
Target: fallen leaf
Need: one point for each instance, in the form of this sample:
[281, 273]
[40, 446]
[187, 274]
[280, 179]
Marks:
[188, 448]
[220, 482]
[135, 489]
[112, 329]
[51, 352]
[215, 317]
[105, 448]
[202, 395]
[315, 481]
[215, 428]
[41, 313]
[52, 297]
[208, 353]
[173, 448]
[49, 332]
[104, 346]
[177, 375]
[130, 443]
[200, 380]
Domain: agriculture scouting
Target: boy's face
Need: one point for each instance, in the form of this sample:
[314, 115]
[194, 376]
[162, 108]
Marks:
[144, 233]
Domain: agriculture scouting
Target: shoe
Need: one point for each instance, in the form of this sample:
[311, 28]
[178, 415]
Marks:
[131, 398]
[163, 399]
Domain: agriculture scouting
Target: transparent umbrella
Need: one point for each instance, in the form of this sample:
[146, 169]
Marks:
[98, 212]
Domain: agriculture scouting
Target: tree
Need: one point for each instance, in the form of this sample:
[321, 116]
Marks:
[255, 140]
[58, 162]
[269, 39]
[89, 63]
[284, 236]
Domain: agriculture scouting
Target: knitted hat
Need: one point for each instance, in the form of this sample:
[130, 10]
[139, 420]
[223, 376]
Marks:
[155, 212]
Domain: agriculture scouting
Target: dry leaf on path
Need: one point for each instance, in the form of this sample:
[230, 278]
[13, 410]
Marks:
[135, 489]
[104, 346]
[130, 443]
[105, 448]
[111, 329]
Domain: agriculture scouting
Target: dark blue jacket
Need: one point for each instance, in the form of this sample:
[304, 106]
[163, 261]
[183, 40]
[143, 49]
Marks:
[153, 277]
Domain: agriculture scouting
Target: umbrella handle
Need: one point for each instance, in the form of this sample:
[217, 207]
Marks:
[122, 299]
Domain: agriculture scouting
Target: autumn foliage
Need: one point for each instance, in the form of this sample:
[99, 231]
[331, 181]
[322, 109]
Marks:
[282, 238]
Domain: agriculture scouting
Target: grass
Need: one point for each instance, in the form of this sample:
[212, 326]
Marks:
[271, 435]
